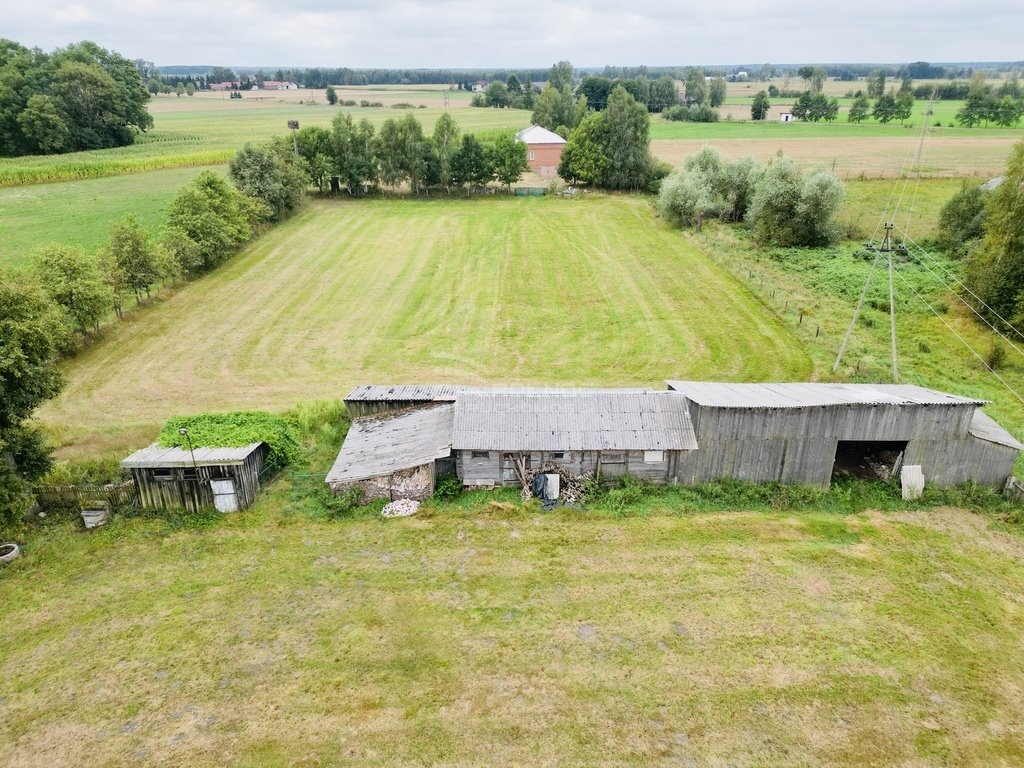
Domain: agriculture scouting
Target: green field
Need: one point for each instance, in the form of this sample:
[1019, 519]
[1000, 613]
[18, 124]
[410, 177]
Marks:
[208, 129]
[81, 212]
[498, 290]
[492, 636]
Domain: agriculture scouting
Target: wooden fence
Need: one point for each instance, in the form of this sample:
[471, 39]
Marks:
[63, 497]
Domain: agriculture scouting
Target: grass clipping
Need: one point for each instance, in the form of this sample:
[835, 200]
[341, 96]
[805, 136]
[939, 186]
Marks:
[234, 430]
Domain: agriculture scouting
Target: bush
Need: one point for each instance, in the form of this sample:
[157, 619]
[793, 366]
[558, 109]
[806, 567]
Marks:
[995, 358]
[789, 209]
[234, 430]
[962, 220]
[448, 487]
[694, 114]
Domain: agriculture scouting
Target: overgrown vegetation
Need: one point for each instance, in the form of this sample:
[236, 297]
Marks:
[234, 430]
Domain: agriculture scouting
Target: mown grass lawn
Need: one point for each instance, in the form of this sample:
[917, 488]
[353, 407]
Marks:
[490, 291]
[488, 635]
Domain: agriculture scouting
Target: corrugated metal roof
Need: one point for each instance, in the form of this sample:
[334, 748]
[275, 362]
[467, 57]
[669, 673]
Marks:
[535, 134]
[379, 446]
[571, 420]
[801, 395]
[984, 427]
[156, 456]
[383, 392]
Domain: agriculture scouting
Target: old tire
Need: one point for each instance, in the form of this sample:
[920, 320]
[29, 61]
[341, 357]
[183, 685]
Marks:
[9, 552]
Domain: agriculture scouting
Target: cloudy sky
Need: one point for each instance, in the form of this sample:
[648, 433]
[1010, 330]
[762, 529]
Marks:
[487, 33]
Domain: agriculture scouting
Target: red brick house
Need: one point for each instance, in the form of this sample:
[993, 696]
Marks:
[544, 149]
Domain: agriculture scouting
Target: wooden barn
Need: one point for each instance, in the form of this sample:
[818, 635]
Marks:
[807, 433]
[174, 478]
[693, 432]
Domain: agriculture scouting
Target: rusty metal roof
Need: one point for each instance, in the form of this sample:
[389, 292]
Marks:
[808, 395]
[571, 420]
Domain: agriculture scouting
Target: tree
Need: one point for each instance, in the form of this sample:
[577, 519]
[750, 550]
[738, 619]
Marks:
[876, 84]
[1007, 111]
[472, 164]
[583, 158]
[814, 77]
[904, 106]
[596, 89]
[32, 332]
[208, 221]
[446, 144]
[331, 95]
[190, 88]
[696, 86]
[759, 108]
[271, 173]
[685, 198]
[134, 259]
[885, 108]
[72, 279]
[316, 149]
[716, 91]
[962, 220]
[401, 154]
[994, 270]
[708, 185]
[974, 111]
[663, 95]
[510, 161]
[859, 110]
[630, 165]
[43, 126]
[497, 95]
[561, 76]
[555, 108]
[179, 90]
[790, 210]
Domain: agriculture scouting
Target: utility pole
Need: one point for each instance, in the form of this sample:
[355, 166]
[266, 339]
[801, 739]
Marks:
[294, 125]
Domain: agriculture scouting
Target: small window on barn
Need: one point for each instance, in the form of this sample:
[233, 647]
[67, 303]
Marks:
[654, 457]
[163, 475]
[533, 155]
[189, 473]
[481, 454]
[557, 456]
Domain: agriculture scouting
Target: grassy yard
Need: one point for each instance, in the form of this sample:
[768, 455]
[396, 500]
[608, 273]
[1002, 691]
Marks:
[81, 212]
[498, 290]
[493, 636]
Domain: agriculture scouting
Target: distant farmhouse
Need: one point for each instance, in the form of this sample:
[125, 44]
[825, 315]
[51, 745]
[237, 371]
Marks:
[544, 149]
[404, 437]
[225, 86]
[279, 85]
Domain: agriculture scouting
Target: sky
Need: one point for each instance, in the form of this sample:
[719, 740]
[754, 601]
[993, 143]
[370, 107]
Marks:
[488, 33]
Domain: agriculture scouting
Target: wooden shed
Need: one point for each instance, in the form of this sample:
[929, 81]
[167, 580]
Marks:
[175, 478]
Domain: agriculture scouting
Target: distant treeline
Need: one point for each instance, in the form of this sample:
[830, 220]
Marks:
[321, 77]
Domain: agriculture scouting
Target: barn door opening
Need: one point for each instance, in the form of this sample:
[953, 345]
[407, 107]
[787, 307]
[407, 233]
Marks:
[869, 459]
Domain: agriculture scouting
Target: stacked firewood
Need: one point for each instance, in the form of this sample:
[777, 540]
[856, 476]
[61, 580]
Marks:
[572, 488]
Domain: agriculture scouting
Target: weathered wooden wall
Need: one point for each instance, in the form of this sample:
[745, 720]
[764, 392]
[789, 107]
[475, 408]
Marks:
[499, 467]
[195, 493]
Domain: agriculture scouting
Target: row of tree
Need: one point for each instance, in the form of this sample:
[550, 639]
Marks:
[362, 159]
[784, 207]
[76, 98]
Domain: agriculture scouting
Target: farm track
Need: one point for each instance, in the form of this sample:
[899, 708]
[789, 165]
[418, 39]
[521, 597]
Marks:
[591, 292]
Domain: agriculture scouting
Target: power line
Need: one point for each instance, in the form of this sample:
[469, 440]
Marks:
[964, 286]
[963, 341]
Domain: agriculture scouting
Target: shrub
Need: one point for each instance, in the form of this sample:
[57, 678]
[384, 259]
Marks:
[448, 487]
[995, 358]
